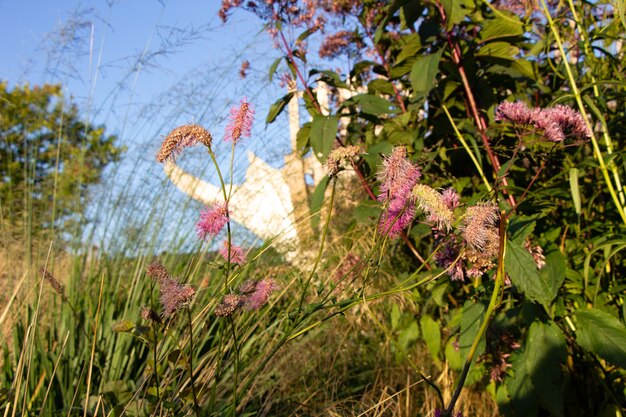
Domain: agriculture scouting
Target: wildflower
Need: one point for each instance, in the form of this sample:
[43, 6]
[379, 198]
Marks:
[448, 258]
[173, 295]
[333, 162]
[157, 271]
[398, 176]
[450, 198]
[212, 220]
[180, 138]
[255, 294]
[229, 304]
[555, 123]
[240, 124]
[480, 221]
[516, 113]
[236, 255]
[397, 217]
[431, 202]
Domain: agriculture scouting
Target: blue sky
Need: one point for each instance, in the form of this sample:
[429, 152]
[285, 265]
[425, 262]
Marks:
[143, 67]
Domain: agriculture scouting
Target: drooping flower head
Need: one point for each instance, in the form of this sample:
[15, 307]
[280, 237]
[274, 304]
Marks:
[255, 294]
[181, 138]
[431, 202]
[240, 124]
[212, 220]
[230, 303]
[339, 155]
[450, 198]
[480, 224]
[236, 253]
[172, 294]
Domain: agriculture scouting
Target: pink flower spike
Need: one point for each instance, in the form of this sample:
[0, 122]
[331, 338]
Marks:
[240, 124]
[236, 253]
[212, 220]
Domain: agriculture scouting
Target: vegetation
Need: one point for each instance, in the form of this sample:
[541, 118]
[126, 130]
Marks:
[479, 269]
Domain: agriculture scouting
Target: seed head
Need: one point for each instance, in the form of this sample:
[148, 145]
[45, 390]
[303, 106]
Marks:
[180, 138]
[431, 202]
[230, 303]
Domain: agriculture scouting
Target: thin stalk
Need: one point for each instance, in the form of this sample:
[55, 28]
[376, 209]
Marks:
[467, 148]
[237, 358]
[579, 101]
[192, 381]
[596, 91]
[321, 249]
[93, 346]
[493, 303]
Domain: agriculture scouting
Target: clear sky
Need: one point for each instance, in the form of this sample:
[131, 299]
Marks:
[142, 67]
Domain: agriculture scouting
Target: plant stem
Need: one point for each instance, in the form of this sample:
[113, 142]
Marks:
[190, 364]
[493, 303]
[236, 379]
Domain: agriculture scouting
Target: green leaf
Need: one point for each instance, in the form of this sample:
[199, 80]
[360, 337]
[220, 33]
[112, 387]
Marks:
[553, 273]
[395, 317]
[424, 72]
[379, 85]
[520, 227]
[456, 11]
[453, 356]
[432, 336]
[546, 350]
[302, 138]
[273, 67]
[278, 107]
[521, 267]
[500, 50]
[471, 319]
[500, 27]
[317, 199]
[408, 335]
[123, 326]
[322, 135]
[370, 104]
[411, 47]
[574, 189]
[602, 334]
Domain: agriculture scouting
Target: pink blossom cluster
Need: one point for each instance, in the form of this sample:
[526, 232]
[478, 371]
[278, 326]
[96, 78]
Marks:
[252, 295]
[212, 220]
[233, 253]
[554, 123]
[398, 176]
[240, 123]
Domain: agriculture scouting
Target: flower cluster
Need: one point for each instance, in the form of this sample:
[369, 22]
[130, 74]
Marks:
[172, 294]
[555, 124]
[251, 295]
[240, 124]
[398, 176]
[233, 253]
[212, 220]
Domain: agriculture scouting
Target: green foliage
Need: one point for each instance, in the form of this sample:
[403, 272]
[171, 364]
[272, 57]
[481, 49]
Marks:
[48, 158]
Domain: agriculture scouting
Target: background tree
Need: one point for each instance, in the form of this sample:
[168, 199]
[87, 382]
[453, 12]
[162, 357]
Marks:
[48, 158]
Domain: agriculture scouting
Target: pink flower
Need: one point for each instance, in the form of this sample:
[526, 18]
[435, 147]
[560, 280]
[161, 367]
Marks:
[212, 220]
[517, 113]
[450, 198]
[255, 294]
[240, 124]
[174, 295]
[236, 253]
[398, 176]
